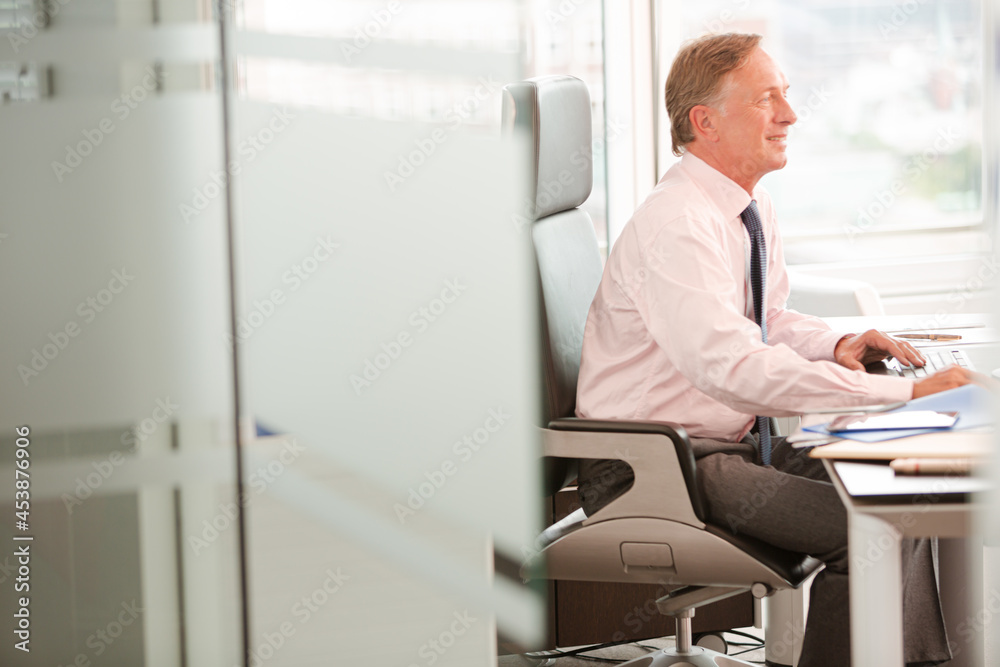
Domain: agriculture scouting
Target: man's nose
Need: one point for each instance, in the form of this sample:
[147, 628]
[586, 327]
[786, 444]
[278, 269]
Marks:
[786, 114]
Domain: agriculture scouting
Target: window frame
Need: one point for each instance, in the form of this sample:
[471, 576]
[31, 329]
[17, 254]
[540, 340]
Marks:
[904, 283]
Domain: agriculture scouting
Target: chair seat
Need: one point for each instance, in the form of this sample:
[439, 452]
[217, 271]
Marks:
[792, 567]
[688, 555]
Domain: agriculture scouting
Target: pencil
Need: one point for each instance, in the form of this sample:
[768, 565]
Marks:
[959, 466]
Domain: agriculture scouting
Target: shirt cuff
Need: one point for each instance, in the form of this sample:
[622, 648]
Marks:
[890, 389]
[829, 342]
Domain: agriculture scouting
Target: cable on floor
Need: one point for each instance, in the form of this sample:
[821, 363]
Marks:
[755, 645]
[559, 653]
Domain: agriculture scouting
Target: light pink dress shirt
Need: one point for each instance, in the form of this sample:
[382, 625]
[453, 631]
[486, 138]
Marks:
[668, 337]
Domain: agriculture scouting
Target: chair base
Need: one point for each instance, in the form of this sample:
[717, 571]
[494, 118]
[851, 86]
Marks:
[698, 657]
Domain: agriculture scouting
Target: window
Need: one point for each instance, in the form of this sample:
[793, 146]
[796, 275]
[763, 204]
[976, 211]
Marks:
[568, 38]
[554, 36]
[885, 161]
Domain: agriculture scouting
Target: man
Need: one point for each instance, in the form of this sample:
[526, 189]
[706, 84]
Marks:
[672, 336]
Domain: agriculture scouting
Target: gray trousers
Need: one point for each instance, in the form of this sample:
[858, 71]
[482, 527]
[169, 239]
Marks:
[792, 504]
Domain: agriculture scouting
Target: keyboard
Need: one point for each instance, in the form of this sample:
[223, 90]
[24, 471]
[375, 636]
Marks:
[937, 359]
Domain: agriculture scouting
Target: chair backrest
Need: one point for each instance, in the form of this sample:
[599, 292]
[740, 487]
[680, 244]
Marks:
[554, 114]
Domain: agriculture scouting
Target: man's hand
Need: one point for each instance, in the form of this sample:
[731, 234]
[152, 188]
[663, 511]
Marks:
[948, 378]
[855, 351]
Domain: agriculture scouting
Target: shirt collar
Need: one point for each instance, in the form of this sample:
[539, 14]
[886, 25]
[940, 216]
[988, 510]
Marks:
[728, 197]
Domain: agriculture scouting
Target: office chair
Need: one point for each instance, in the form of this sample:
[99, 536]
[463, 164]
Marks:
[656, 531]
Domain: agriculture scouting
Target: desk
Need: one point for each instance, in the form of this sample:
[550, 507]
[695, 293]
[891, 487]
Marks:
[880, 512]
[882, 509]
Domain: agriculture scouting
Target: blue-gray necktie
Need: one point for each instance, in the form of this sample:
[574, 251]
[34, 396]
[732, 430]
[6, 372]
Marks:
[758, 260]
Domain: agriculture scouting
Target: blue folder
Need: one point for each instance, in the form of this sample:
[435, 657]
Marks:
[973, 403]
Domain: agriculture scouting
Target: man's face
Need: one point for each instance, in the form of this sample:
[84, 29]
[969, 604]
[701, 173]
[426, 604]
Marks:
[753, 130]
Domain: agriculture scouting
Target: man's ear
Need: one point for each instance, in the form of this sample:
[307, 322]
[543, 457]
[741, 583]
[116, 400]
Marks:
[704, 122]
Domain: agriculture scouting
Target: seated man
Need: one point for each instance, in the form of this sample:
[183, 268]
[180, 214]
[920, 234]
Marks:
[672, 335]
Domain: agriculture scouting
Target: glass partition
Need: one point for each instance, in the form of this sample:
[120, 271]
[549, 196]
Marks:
[117, 412]
[387, 317]
[271, 380]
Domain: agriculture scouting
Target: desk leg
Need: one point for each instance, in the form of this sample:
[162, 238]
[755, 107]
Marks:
[962, 586]
[876, 592]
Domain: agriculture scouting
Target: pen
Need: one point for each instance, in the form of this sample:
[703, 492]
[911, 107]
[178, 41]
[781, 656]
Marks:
[932, 466]
[916, 336]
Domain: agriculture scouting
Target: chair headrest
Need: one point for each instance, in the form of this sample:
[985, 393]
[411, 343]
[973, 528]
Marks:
[554, 111]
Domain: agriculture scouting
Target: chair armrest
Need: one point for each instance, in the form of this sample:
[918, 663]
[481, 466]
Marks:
[659, 454]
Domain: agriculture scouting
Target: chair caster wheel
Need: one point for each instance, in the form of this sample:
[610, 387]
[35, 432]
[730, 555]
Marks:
[712, 640]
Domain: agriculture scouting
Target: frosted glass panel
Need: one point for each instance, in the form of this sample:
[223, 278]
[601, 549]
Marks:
[392, 334]
[388, 323]
[116, 390]
[386, 331]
